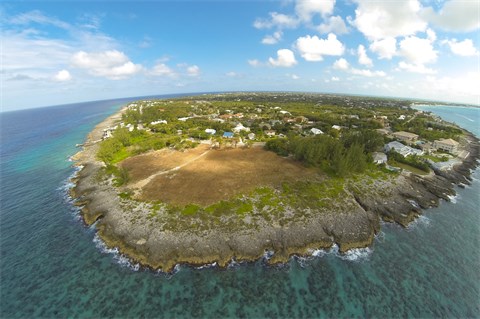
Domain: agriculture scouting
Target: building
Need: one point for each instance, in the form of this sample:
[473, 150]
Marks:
[406, 136]
[210, 131]
[447, 145]
[379, 158]
[228, 135]
[251, 136]
[316, 131]
[402, 149]
[336, 127]
[240, 127]
[270, 133]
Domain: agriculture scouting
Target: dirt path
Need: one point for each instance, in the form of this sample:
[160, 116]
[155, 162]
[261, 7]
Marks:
[141, 183]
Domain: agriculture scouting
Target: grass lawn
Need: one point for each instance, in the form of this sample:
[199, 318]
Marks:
[409, 168]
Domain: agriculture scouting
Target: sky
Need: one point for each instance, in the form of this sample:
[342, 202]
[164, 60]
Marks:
[58, 52]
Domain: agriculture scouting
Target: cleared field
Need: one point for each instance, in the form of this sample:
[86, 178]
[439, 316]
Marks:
[208, 176]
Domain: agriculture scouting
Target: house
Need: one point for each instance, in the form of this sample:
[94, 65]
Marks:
[301, 119]
[336, 127]
[226, 116]
[228, 135]
[402, 149]
[251, 136]
[270, 133]
[158, 122]
[379, 158]
[447, 145]
[406, 136]
[284, 112]
[398, 147]
[401, 117]
[316, 131]
[210, 131]
[240, 127]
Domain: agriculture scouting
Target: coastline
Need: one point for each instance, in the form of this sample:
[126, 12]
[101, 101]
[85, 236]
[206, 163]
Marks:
[353, 226]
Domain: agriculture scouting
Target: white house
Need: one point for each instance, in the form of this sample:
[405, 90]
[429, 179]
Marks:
[251, 136]
[447, 145]
[316, 131]
[402, 149]
[336, 127]
[210, 131]
[379, 158]
[158, 122]
[240, 127]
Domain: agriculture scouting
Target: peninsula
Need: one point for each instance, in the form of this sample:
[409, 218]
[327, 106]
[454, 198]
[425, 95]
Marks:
[222, 177]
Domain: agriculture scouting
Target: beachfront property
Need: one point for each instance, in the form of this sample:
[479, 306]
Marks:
[406, 136]
[402, 149]
[447, 145]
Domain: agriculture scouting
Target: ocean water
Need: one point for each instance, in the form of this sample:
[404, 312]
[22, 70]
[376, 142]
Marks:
[53, 266]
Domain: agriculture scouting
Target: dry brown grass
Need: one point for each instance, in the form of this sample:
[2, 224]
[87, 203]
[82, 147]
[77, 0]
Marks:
[218, 175]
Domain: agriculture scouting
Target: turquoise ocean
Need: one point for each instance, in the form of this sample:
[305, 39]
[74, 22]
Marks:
[52, 265]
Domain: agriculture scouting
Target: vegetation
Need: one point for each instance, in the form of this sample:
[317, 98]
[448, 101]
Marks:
[412, 160]
[340, 157]
[343, 152]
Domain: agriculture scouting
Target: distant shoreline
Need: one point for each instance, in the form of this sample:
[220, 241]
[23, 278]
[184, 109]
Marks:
[349, 229]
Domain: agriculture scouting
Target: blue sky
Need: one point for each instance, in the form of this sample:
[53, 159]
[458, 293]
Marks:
[58, 52]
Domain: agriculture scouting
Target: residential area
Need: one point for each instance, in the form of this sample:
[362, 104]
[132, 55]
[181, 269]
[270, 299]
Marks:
[411, 138]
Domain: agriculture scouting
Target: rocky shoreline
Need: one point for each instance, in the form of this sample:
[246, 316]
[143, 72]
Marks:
[353, 225]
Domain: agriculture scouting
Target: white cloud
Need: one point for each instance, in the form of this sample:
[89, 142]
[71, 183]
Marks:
[463, 87]
[363, 57]
[295, 77]
[415, 68]
[111, 64]
[278, 20]
[231, 74]
[305, 9]
[313, 48]
[462, 48]
[333, 24]
[418, 51]
[273, 39]
[367, 73]
[383, 19]
[161, 69]
[341, 64]
[254, 62]
[431, 36]
[62, 76]
[285, 58]
[193, 70]
[335, 79]
[455, 15]
[37, 16]
[385, 49]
